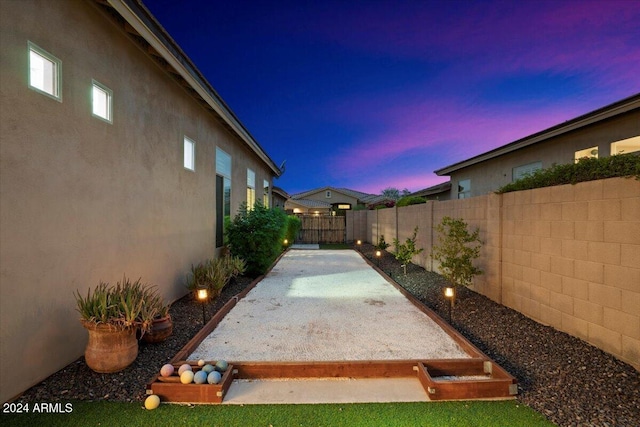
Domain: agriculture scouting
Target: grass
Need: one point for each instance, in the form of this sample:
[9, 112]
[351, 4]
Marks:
[468, 413]
[335, 246]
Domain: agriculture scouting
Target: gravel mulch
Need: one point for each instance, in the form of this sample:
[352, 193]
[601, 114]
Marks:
[569, 381]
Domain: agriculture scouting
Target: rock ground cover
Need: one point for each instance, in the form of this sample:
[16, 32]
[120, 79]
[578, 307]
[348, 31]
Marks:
[569, 381]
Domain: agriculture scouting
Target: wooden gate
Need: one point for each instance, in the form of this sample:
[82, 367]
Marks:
[322, 229]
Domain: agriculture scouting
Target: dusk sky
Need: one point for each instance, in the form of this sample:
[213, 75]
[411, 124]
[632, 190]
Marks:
[374, 94]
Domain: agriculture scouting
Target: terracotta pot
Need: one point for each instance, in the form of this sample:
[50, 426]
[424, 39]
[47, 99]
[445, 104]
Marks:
[110, 349]
[160, 330]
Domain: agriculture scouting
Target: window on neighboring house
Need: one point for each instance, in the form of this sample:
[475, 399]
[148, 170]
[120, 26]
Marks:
[101, 98]
[251, 188]
[45, 72]
[328, 194]
[524, 170]
[464, 189]
[223, 194]
[265, 193]
[189, 154]
[587, 152]
[625, 146]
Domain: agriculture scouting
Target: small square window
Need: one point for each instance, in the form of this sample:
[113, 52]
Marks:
[45, 71]
[189, 154]
[464, 189]
[101, 97]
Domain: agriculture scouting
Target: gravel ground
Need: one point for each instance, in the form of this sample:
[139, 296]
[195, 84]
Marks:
[569, 381]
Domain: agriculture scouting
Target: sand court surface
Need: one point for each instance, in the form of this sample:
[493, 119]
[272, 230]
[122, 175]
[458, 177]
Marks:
[326, 305]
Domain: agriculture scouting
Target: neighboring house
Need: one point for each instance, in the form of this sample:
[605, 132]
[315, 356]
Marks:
[279, 197]
[614, 129]
[435, 192]
[331, 200]
[117, 157]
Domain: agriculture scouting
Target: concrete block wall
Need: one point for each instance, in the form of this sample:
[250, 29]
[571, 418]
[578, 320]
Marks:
[566, 256]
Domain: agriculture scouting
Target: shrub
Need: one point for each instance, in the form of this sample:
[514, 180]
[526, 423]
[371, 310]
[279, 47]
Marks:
[382, 245]
[411, 200]
[406, 251]
[256, 236]
[587, 169]
[292, 228]
[215, 274]
[455, 251]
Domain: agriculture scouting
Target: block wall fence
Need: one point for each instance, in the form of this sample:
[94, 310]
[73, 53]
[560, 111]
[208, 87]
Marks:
[565, 256]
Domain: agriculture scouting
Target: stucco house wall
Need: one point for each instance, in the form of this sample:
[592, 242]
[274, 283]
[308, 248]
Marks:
[83, 200]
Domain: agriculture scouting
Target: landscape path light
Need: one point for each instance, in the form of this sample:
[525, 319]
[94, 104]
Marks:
[450, 294]
[202, 295]
[378, 255]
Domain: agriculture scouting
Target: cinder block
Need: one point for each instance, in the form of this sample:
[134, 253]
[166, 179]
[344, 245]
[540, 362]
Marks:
[562, 266]
[513, 271]
[606, 296]
[562, 193]
[524, 228]
[631, 302]
[551, 281]
[620, 188]
[522, 257]
[630, 209]
[576, 211]
[590, 271]
[604, 210]
[561, 302]
[631, 351]
[575, 249]
[622, 231]
[630, 256]
[606, 339]
[551, 212]
[592, 231]
[606, 253]
[513, 241]
[621, 277]
[550, 316]
[589, 190]
[588, 311]
[531, 244]
[522, 288]
[574, 326]
[540, 294]
[562, 229]
[531, 212]
[541, 195]
[575, 287]
[626, 324]
[551, 246]
[531, 308]
[541, 261]
[541, 228]
[531, 275]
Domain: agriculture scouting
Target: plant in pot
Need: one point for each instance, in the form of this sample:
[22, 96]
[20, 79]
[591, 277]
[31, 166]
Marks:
[161, 326]
[112, 315]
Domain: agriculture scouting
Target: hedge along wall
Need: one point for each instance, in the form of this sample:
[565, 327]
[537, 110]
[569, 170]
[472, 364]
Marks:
[565, 256]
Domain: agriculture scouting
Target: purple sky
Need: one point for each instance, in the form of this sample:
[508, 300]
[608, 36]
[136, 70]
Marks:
[374, 94]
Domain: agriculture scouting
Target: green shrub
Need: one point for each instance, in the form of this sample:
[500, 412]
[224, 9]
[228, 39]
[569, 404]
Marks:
[292, 228]
[455, 251]
[256, 236]
[214, 274]
[382, 245]
[587, 169]
[411, 200]
[407, 250]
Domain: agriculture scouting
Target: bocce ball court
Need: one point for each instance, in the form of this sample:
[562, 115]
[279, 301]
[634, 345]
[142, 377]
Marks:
[327, 326]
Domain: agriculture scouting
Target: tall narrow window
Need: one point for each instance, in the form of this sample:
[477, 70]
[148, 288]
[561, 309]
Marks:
[101, 97]
[189, 154]
[251, 188]
[223, 195]
[265, 193]
[45, 72]
[464, 189]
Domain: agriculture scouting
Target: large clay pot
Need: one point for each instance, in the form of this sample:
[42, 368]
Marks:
[160, 330]
[110, 349]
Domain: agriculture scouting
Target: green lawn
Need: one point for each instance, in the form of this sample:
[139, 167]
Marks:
[476, 413]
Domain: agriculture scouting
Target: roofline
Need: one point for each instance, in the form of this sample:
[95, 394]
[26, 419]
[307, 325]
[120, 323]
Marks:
[611, 110]
[143, 21]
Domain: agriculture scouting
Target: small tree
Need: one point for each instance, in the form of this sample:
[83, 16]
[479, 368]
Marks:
[382, 245]
[406, 251]
[455, 251]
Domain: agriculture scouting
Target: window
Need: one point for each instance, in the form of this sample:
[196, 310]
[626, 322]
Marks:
[251, 189]
[265, 194]
[522, 171]
[45, 71]
[189, 154]
[328, 194]
[223, 194]
[101, 97]
[464, 189]
[625, 146]
[587, 152]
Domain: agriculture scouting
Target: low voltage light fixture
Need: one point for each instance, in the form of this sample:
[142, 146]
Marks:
[450, 294]
[378, 255]
[202, 294]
